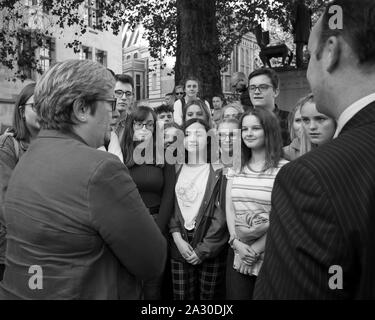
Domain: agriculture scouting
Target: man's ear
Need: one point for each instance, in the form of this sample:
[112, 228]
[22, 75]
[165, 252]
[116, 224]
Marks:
[80, 110]
[332, 54]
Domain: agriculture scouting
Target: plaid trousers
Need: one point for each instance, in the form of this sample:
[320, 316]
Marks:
[202, 281]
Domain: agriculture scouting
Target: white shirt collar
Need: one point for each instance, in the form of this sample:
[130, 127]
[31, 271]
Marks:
[351, 111]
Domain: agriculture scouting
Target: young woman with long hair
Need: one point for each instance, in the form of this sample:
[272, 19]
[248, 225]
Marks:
[198, 224]
[248, 199]
[197, 109]
[13, 144]
[155, 182]
[308, 128]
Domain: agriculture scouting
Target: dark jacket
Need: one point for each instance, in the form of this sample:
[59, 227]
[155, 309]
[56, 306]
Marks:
[211, 233]
[322, 206]
[10, 152]
[75, 212]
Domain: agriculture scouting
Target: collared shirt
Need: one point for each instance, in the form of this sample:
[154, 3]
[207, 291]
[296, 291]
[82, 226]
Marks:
[351, 111]
[283, 118]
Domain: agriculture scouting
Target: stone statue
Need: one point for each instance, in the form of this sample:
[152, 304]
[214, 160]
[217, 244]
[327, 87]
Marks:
[301, 27]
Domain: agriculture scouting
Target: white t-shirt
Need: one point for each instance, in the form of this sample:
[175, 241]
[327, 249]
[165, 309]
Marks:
[114, 147]
[190, 189]
[177, 111]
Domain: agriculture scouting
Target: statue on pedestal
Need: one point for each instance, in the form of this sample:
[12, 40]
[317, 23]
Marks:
[301, 27]
[267, 52]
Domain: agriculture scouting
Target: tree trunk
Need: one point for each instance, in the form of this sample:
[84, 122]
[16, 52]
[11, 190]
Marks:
[198, 45]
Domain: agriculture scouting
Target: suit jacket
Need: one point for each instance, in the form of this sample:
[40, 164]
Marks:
[322, 204]
[75, 212]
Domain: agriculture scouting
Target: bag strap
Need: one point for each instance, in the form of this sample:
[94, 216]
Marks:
[16, 148]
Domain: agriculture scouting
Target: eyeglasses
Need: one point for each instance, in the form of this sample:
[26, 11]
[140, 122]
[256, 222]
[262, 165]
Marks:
[139, 125]
[261, 87]
[179, 93]
[223, 135]
[112, 102]
[120, 94]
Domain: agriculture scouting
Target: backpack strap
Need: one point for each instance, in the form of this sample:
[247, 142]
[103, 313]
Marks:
[16, 148]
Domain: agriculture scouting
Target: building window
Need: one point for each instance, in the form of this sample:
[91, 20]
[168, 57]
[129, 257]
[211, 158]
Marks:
[36, 52]
[47, 54]
[101, 57]
[153, 83]
[86, 53]
[92, 12]
[242, 60]
[227, 87]
[247, 63]
[138, 86]
[26, 54]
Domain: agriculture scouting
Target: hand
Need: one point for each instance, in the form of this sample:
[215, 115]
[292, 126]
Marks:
[246, 253]
[244, 269]
[185, 249]
[193, 259]
[142, 135]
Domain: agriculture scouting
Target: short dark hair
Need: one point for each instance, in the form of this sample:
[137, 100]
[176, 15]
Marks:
[192, 78]
[124, 78]
[219, 95]
[359, 19]
[270, 73]
[163, 108]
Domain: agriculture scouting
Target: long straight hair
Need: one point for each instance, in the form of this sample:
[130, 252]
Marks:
[21, 132]
[202, 105]
[127, 142]
[272, 138]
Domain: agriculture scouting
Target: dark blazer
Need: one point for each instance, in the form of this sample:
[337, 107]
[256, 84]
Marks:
[75, 212]
[322, 204]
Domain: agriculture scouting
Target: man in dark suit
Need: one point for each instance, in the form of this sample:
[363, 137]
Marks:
[76, 225]
[319, 242]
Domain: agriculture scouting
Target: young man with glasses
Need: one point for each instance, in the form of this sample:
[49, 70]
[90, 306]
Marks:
[124, 94]
[263, 90]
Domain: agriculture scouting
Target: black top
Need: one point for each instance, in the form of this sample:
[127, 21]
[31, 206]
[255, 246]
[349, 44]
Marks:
[156, 187]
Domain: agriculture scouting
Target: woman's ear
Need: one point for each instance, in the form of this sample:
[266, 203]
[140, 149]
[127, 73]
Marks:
[80, 110]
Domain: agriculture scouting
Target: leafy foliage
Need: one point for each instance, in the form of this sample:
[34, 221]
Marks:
[234, 19]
